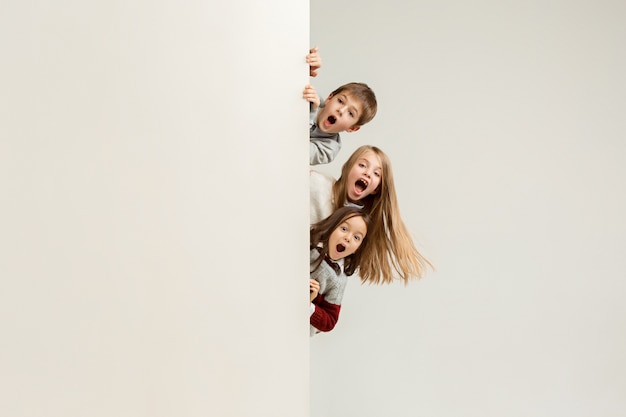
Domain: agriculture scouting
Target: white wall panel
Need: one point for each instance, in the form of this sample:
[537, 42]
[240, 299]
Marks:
[153, 196]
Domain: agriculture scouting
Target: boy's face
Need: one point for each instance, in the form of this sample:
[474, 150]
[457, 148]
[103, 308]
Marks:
[364, 177]
[346, 238]
[340, 113]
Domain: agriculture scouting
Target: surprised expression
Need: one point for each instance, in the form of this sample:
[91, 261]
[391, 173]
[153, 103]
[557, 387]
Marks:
[364, 177]
[346, 238]
[340, 113]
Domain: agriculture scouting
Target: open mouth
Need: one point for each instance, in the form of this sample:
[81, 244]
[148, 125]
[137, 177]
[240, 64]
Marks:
[332, 120]
[361, 185]
[340, 248]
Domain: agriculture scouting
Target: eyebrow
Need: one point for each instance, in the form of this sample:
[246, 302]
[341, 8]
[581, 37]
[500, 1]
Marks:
[356, 231]
[352, 106]
[368, 163]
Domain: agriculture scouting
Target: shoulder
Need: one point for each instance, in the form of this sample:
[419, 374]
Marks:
[315, 254]
[320, 179]
[321, 195]
[329, 139]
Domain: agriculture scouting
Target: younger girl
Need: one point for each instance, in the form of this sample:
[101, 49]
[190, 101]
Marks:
[366, 181]
[337, 244]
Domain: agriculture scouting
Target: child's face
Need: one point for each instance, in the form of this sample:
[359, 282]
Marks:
[364, 177]
[346, 238]
[340, 113]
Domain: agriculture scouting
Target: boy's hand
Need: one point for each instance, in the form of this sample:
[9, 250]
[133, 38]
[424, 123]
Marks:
[314, 60]
[314, 288]
[310, 95]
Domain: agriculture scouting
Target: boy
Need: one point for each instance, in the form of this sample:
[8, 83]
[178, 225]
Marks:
[345, 110]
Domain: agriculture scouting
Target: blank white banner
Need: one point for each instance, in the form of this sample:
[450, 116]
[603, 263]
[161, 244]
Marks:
[154, 177]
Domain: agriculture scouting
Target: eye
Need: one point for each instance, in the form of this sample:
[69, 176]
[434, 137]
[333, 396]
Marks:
[351, 114]
[340, 101]
[377, 173]
[357, 238]
[361, 164]
[344, 229]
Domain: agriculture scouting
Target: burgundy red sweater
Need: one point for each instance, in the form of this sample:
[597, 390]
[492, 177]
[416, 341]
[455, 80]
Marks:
[328, 302]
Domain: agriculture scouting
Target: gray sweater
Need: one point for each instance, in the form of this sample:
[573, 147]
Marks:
[327, 304]
[323, 147]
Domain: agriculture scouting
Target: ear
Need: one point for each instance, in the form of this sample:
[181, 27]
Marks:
[329, 97]
[353, 128]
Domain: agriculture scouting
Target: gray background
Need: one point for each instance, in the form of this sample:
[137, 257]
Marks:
[505, 123]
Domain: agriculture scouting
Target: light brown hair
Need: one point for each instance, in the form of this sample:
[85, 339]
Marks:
[363, 93]
[390, 252]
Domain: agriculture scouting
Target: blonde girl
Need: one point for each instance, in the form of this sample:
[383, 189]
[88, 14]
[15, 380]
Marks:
[367, 181]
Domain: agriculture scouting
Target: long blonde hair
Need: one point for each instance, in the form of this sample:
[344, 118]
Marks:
[391, 252]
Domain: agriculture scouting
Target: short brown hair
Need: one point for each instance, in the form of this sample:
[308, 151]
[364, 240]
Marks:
[365, 95]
